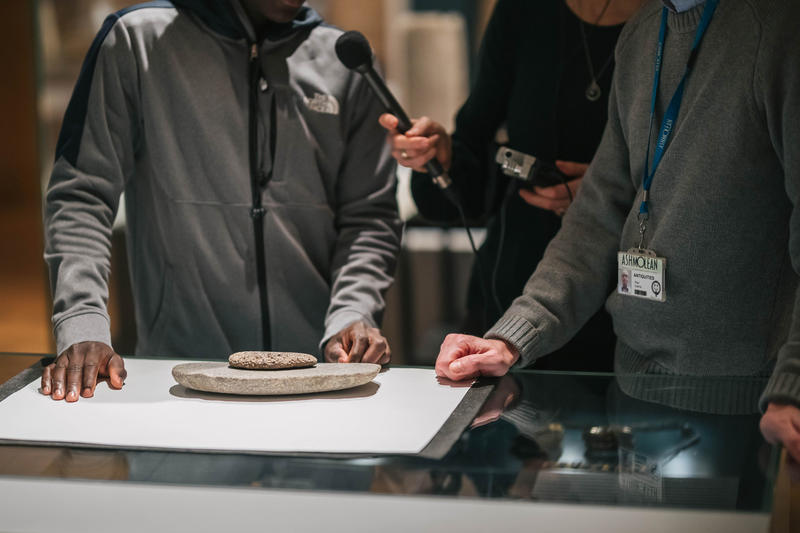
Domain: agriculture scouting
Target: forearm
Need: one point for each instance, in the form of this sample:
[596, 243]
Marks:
[95, 158]
[78, 221]
[363, 269]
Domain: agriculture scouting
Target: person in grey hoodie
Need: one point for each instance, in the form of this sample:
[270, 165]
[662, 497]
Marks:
[722, 207]
[259, 192]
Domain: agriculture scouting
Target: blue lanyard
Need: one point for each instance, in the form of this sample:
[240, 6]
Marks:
[671, 113]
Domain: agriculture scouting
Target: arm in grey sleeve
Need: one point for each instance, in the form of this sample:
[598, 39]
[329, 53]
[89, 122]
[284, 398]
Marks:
[574, 277]
[368, 226]
[93, 160]
[777, 85]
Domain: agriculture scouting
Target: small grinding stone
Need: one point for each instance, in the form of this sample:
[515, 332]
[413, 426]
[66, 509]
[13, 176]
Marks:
[221, 378]
[271, 360]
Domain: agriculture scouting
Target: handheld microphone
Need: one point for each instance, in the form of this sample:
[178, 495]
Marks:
[354, 52]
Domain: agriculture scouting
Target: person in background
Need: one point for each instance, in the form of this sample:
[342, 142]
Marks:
[543, 76]
[259, 193]
[696, 184]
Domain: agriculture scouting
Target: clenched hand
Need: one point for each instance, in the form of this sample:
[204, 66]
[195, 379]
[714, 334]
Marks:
[467, 357]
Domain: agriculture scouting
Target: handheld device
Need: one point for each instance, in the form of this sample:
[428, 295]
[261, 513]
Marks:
[529, 169]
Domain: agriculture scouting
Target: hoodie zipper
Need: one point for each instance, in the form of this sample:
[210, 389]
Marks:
[257, 183]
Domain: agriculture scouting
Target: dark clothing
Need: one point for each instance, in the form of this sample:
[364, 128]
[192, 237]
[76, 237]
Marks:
[532, 76]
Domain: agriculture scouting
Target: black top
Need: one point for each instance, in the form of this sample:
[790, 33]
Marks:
[532, 77]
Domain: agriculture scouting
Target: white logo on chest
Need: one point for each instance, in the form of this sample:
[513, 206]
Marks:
[322, 103]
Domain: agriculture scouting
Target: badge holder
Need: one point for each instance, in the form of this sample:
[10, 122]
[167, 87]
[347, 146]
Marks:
[640, 272]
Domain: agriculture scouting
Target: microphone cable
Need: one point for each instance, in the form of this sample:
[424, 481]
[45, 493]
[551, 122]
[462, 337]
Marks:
[482, 279]
[355, 53]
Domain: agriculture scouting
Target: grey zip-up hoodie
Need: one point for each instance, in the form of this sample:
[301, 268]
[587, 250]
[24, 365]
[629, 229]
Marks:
[210, 138]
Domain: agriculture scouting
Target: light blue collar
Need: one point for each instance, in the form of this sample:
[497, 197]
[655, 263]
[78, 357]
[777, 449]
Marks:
[679, 6]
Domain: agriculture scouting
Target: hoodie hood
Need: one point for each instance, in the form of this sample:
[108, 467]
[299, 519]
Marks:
[221, 17]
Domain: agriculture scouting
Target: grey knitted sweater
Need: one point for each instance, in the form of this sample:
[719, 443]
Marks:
[723, 209]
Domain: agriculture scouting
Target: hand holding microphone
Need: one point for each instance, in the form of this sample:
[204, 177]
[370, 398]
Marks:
[426, 146]
[353, 50]
[427, 139]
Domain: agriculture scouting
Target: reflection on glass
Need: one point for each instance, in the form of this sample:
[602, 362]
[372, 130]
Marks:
[550, 437]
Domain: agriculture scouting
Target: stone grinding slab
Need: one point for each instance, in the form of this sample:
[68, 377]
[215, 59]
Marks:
[271, 360]
[221, 378]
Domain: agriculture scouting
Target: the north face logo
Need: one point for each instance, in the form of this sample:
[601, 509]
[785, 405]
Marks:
[322, 103]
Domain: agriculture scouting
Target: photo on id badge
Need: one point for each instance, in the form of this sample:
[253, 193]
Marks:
[624, 280]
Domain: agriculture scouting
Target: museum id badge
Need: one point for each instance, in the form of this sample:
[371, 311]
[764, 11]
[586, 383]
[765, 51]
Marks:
[641, 273]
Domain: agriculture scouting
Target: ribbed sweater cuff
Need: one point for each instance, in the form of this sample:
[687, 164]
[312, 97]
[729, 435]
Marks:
[80, 328]
[783, 387]
[518, 332]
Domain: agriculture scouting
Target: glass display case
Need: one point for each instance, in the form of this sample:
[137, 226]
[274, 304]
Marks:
[636, 444]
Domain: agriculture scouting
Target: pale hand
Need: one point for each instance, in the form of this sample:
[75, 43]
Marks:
[781, 424]
[556, 198]
[466, 357]
[425, 140]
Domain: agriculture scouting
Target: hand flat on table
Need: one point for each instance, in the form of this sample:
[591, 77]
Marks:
[75, 372]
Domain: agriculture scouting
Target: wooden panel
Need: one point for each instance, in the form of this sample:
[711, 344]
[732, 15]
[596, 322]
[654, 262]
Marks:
[19, 182]
[24, 316]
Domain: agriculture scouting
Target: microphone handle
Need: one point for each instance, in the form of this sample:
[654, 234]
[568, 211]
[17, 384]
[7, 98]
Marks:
[434, 167]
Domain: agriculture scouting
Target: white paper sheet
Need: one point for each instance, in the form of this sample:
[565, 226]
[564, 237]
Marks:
[399, 412]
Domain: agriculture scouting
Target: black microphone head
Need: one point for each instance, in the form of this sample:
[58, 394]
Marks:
[353, 50]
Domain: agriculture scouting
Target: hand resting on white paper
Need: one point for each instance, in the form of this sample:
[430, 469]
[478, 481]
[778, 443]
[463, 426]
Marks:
[74, 373]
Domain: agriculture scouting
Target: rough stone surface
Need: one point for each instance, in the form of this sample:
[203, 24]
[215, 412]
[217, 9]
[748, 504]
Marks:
[221, 378]
[271, 360]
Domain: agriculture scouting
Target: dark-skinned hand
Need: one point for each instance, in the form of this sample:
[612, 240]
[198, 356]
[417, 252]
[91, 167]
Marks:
[74, 373]
[358, 343]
